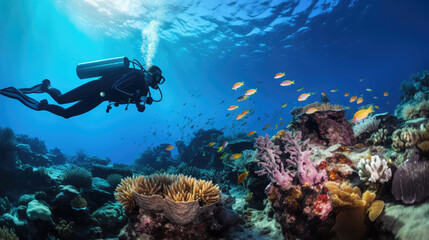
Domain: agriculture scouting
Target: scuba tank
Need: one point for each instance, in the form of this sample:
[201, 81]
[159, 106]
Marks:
[101, 67]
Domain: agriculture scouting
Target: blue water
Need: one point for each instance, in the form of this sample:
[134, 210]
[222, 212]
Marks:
[203, 48]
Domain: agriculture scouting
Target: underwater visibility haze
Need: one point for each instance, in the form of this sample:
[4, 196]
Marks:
[276, 119]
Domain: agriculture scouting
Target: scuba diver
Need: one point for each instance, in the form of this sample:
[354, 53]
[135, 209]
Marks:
[117, 84]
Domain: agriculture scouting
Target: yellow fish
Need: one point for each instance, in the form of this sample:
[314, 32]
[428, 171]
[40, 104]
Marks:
[376, 107]
[279, 75]
[303, 96]
[235, 156]
[237, 85]
[232, 107]
[385, 94]
[359, 100]
[169, 147]
[346, 94]
[223, 155]
[267, 125]
[287, 83]
[352, 99]
[250, 91]
[388, 102]
[311, 110]
[284, 105]
[362, 114]
[277, 126]
[242, 177]
[211, 144]
[251, 133]
[280, 119]
[242, 98]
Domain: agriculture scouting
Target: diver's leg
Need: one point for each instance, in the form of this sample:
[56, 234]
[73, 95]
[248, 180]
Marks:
[80, 107]
[88, 90]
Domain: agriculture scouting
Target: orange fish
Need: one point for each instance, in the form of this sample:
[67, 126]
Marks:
[169, 147]
[352, 99]
[324, 94]
[245, 112]
[359, 100]
[232, 107]
[211, 144]
[287, 83]
[303, 96]
[242, 98]
[385, 94]
[250, 92]
[242, 177]
[239, 116]
[237, 85]
[235, 156]
[388, 102]
[269, 124]
[279, 75]
[251, 133]
[346, 94]
[311, 110]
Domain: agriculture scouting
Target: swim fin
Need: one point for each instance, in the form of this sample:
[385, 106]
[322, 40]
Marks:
[20, 96]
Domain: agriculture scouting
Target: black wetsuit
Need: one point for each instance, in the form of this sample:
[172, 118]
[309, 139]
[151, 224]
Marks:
[127, 86]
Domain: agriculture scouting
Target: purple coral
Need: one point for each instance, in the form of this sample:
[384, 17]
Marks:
[282, 161]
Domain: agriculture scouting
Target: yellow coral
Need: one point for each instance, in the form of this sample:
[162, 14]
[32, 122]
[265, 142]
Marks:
[178, 188]
[347, 196]
[124, 191]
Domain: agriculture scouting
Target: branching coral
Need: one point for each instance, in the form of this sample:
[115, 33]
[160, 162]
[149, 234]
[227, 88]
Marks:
[370, 124]
[380, 137]
[374, 170]
[288, 159]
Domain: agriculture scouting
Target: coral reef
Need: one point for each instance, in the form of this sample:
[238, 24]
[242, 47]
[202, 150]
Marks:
[409, 137]
[374, 170]
[7, 148]
[77, 176]
[64, 229]
[415, 91]
[326, 128]
[287, 160]
[7, 234]
[415, 110]
[36, 145]
[5, 205]
[114, 179]
[321, 107]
